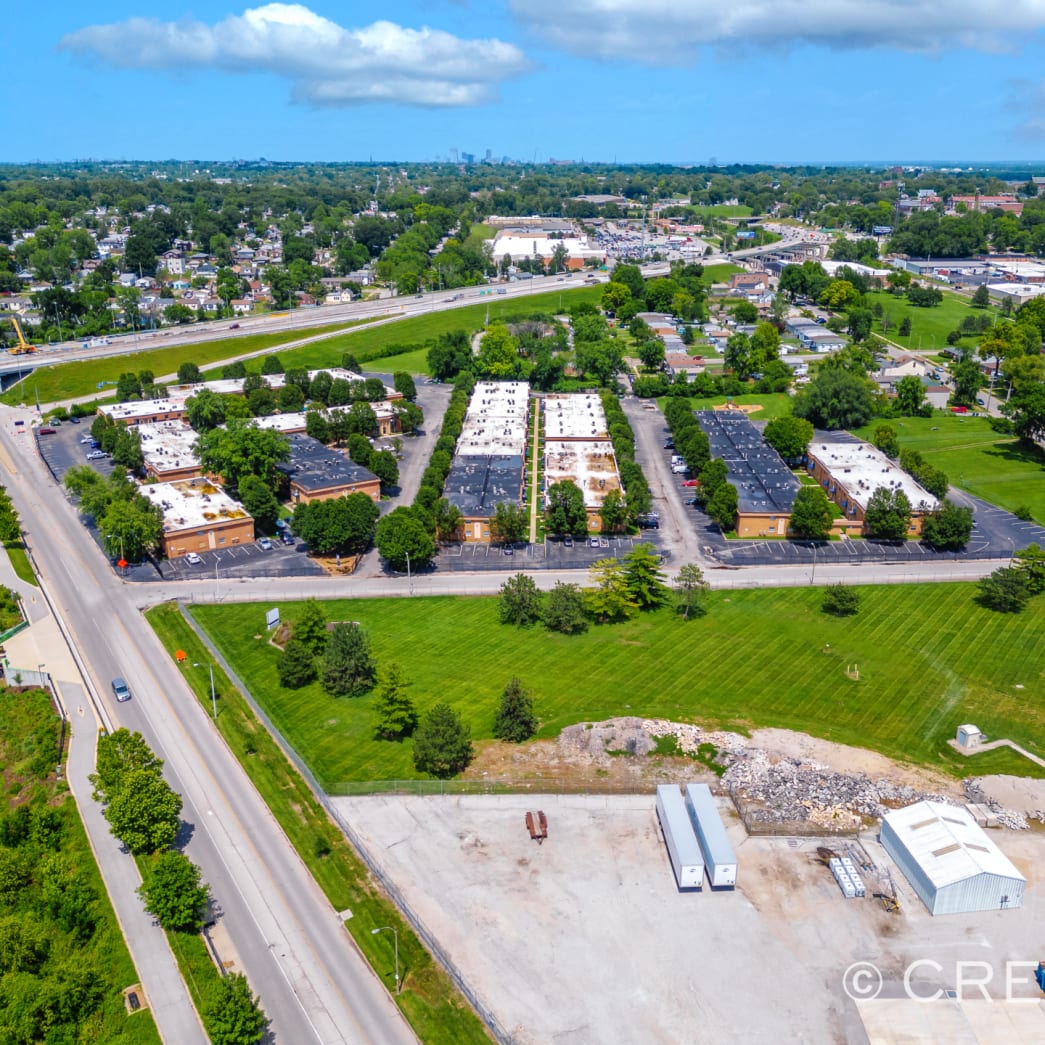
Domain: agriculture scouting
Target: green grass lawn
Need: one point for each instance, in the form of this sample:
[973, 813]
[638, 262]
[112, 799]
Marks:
[724, 210]
[20, 561]
[929, 326]
[974, 457]
[719, 273]
[370, 346]
[478, 235]
[415, 362]
[431, 1004]
[81, 377]
[929, 659]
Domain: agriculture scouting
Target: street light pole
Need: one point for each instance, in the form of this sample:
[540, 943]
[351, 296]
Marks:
[812, 572]
[213, 697]
[395, 935]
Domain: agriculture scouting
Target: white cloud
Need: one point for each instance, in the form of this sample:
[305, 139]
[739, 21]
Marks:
[327, 64]
[669, 32]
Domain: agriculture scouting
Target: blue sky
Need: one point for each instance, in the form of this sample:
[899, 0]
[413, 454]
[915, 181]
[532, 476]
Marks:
[626, 80]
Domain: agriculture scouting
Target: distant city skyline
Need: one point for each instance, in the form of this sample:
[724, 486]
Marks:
[594, 80]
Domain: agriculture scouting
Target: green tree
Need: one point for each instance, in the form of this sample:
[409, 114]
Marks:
[395, 715]
[745, 312]
[981, 297]
[205, 410]
[348, 668]
[174, 893]
[243, 449]
[910, 396]
[565, 512]
[509, 524]
[1005, 590]
[1031, 563]
[117, 754]
[401, 537]
[442, 743]
[310, 627]
[691, 591]
[835, 399]
[260, 502]
[789, 436]
[651, 353]
[144, 813]
[643, 577]
[404, 384]
[344, 525]
[520, 601]
[1026, 408]
[384, 465]
[613, 512]
[948, 528]
[905, 327]
[515, 720]
[447, 518]
[498, 351]
[888, 514]
[884, 439]
[840, 600]
[610, 598]
[722, 507]
[296, 665]
[131, 528]
[812, 514]
[564, 609]
[233, 1014]
[189, 374]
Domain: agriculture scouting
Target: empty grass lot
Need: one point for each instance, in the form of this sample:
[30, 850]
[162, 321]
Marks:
[370, 346]
[929, 659]
[974, 457]
[929, 326]
[769, 406]
[81, 377]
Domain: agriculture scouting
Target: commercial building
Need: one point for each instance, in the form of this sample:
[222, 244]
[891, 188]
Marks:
[577, 449]
[520, 244]
[766, 487]
[850, 472]
[169, 450]
[489, 467]
[198, 516]
[317, 473]
[950, 862]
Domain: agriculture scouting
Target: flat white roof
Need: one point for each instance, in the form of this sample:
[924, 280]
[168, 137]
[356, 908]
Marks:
[539, 244]
[860, 469]
[1026, 269]
[189, 504]
[283, 422]
[578, 416]
[143, 408]
[948, 844]
[168, 446]
[589, 464]
[495, 423]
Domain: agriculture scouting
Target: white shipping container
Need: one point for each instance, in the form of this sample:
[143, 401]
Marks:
[679, 838]
[719, 857]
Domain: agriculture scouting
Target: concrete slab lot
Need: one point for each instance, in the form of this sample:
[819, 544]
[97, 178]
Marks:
[585, 939]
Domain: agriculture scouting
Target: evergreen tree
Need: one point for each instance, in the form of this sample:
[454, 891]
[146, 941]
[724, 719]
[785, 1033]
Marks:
[296, 666]
[348, 669]
[394, 711]
[442, 743]
[311, 626]
[515, 720]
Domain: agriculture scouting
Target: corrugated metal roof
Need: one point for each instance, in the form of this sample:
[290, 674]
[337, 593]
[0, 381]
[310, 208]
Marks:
[948, 844]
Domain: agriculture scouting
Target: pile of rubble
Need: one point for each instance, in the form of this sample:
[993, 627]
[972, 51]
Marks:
[798, 791]
[1011, 818]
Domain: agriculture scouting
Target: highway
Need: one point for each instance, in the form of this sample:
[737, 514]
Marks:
[291, 944]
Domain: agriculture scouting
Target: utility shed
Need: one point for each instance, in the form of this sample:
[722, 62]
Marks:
[679, 838]
[719, 857]
[950, 862]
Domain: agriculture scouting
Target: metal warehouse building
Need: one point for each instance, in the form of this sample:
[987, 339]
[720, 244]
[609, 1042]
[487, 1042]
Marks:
[949, 860]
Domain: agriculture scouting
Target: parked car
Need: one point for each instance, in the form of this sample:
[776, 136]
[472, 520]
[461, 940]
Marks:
[46, 430]
[121, 690]
[568, 542]
[593, 542]
[193, 559]
[509, 550]
[97, 455]
[689, 482]
[74, 419]
[286, 536]
[86, 440]
[266, 544]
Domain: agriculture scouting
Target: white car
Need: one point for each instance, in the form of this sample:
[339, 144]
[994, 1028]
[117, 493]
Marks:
[193, 559]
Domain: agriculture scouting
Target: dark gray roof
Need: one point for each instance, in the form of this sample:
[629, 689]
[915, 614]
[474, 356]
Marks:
[763, 482]
[315, 467]
[476, 485]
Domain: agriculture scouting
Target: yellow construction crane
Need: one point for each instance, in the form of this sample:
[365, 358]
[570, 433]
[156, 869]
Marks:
[23, 347]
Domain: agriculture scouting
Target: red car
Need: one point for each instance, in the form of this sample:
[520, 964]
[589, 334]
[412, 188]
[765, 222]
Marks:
[691, 482]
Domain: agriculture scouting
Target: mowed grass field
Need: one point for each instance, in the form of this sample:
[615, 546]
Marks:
[929, 326]
[769, 406]
[369, 346]
[81, 377]
[996, 467]
[929, 659]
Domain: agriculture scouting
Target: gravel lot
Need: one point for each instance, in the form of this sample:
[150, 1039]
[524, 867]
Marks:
[585, 938]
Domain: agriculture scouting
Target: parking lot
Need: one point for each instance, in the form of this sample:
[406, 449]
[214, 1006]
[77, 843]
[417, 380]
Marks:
[554, 554]
[585, 938]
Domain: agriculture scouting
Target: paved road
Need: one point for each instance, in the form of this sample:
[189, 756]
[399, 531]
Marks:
[293, 947]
